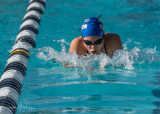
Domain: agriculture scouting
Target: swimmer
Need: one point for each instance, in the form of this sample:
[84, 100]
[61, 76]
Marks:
[94, 40]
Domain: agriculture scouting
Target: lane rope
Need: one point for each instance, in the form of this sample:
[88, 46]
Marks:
[15, 70]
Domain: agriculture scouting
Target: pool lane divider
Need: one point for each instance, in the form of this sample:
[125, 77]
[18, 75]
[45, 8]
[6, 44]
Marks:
[14, 72]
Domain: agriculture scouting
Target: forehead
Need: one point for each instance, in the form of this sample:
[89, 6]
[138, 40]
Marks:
[92, 38]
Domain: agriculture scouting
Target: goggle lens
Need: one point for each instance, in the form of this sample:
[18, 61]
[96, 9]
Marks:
[97, 42]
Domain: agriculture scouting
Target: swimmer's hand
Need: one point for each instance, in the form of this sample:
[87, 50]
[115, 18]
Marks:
[70, 66]
[102, 67]
[67, 65]
[54, 60]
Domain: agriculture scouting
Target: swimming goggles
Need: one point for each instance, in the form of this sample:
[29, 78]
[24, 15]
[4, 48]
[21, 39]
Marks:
[97, 42]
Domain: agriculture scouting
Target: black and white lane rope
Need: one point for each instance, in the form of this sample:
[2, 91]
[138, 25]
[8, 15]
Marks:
[15, 69]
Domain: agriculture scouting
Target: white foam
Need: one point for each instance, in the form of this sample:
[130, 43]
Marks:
[125, 58]
[120, 59]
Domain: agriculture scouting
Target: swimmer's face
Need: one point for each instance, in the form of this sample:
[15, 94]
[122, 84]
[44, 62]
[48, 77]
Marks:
[93, 44]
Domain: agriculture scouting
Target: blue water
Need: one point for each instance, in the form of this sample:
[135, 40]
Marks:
[129, 83]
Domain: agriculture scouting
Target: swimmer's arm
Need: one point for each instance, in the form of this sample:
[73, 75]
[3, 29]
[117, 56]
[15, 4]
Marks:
[70, 66]
[67, 65]
[64, 64]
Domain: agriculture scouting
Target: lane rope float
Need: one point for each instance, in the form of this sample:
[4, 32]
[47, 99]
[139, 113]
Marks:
[14, 72]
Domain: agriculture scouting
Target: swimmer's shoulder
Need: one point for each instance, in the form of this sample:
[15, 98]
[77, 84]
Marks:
[113, 42]
[111, 36]
[76, 44]
[77, 40]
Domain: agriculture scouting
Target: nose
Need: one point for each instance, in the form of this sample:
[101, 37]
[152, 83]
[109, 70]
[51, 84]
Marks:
[93, 46]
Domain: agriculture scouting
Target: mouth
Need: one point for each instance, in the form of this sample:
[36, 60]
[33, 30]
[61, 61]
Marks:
[94, 52]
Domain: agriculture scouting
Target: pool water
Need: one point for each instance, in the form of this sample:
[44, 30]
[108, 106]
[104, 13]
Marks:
[128, 84]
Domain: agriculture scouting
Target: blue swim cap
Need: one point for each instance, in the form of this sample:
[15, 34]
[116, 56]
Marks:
[92, 27]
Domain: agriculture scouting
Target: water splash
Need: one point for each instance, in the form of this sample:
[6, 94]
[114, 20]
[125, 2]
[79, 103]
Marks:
[125, 58]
